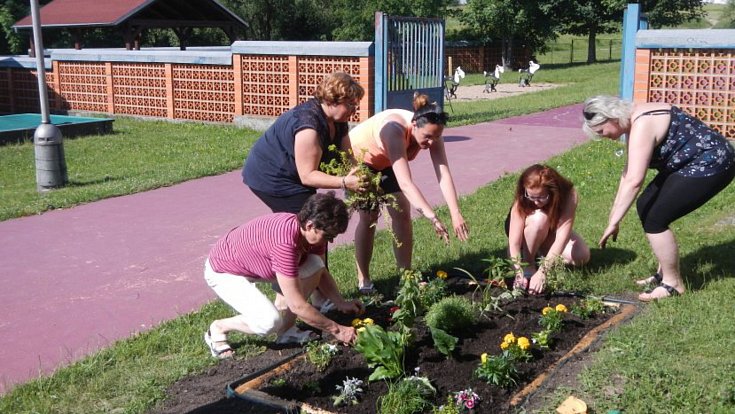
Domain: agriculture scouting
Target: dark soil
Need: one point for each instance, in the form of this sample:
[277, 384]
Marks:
[205, 393]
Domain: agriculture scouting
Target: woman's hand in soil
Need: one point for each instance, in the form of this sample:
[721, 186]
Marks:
[351, 306]
[537, 284]
[346, 334]
[520, 282]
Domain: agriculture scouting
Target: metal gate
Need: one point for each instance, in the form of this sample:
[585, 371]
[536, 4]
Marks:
[409, 57]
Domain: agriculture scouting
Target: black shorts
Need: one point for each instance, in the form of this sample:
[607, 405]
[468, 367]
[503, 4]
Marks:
[388, 181]
[672, 196]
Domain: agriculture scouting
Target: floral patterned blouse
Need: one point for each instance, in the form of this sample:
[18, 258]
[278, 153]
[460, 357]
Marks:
[691, 148]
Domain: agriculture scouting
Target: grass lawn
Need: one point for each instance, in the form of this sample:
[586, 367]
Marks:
[657, 363]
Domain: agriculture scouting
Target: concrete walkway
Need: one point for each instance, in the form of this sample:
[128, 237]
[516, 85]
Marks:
[76, 280]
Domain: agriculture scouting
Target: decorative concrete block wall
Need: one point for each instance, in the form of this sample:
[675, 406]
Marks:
[248, 79]
[692, 69]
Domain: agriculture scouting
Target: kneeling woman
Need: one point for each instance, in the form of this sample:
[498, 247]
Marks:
[286, 250]
[540, 225]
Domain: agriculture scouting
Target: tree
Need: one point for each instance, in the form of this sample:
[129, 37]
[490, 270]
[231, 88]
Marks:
[357, 19]
[592, 17]
[513, 22]
[728, 15]
[286, 19]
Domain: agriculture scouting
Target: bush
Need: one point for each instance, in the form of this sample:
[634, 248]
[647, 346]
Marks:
[451, 314]
[408, 396]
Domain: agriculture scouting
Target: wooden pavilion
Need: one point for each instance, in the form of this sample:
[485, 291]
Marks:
[132, 17]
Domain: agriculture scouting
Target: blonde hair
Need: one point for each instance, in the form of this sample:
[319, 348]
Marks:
[601, 108]
[337, 88]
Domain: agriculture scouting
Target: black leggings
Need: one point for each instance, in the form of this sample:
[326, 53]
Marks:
[288, 204]
[672, 196]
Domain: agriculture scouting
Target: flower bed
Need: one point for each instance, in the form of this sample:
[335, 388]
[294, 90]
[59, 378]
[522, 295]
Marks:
[512, 332]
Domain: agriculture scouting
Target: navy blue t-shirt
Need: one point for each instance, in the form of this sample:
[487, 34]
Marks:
[271, 166]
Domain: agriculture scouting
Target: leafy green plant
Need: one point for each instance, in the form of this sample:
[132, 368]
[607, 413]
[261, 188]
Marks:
[588, 307]
[501, 268]
[542, 339]
[516, 348]
[552, 319]
[382, 350]
[555, 271]
[320, 354]
[433, 290]
[451, 314]
[349, 392]
[497, 370]
[444, 342]
[408, 396]
[408, 300]
[488, 302]
[449, 408]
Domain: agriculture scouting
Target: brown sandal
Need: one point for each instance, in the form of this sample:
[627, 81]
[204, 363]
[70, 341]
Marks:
[670, 292]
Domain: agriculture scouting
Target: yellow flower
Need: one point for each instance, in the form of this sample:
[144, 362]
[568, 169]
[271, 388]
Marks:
[483, 358]
[441, 274]
[356, 322]
[361, 329]
[561, 308]
[546, 310]
[509, 338]
[504, 345]
[368, 321]
[524, 343]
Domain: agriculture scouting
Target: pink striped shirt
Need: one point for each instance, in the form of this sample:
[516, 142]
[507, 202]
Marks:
[262, 247]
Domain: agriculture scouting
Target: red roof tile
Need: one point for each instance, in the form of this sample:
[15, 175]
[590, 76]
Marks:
[85, 12]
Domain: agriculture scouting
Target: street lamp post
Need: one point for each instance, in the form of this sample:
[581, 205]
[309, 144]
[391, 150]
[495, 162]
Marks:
[47, 140]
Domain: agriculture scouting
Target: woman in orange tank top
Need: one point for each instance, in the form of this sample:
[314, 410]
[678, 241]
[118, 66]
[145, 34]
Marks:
[386, 143]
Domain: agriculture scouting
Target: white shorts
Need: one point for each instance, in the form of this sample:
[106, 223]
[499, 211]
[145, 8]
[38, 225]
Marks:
[240, 292]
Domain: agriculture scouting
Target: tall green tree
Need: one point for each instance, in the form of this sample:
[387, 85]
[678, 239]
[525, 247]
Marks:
[286, 19]
[357, 19]
[728, 15]
[515, 23]
[10, 12]
[592, 17]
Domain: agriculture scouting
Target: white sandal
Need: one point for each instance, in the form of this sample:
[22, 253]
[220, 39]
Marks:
[220, 352]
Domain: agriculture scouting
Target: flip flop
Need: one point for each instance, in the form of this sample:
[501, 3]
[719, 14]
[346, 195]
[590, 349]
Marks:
[223, 349]
[294, 335]
[654, 279]
[670, 292]
[368, 289]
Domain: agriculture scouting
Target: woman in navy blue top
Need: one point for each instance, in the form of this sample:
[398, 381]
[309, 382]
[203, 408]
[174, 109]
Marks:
[694, 163]
[282, 168]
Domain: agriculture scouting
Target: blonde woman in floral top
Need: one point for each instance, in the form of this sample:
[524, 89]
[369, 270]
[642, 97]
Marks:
[694, 162]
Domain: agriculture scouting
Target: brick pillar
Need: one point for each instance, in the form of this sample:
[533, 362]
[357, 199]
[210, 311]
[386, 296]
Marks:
[367, 81]
[293, 81]
[55, 87]
[168, 70]
[237, 78]
[110, 89]
[641, 77]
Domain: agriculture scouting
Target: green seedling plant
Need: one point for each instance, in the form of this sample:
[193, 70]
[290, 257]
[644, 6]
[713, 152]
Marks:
[408, 300]
[588, 307]
[320, 354]
[488, 302]
[555, 274]
[451, 314]
[407, 396]
[497, 370]
[443, 342]
[349, 392]
[433, 290]
[552, 319]
[383, 350]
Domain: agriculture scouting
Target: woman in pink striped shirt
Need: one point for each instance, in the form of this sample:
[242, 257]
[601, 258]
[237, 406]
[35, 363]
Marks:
[286, 250]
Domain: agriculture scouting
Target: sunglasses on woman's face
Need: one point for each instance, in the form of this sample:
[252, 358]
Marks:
[588, 115]
[540, 199]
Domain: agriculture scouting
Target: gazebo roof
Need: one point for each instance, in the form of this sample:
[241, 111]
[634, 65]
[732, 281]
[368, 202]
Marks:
[149, 13]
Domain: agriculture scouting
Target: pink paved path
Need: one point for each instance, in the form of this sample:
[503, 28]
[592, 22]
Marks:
[76, 280]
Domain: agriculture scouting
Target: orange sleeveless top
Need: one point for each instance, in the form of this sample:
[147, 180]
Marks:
[367, 146]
